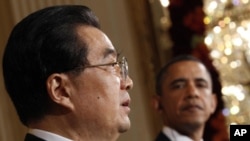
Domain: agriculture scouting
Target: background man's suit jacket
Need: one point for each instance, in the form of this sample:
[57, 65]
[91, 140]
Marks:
[162, 137]
[30, 137]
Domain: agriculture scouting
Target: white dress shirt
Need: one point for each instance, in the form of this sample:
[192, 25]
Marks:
[173, 135]
[48, 136]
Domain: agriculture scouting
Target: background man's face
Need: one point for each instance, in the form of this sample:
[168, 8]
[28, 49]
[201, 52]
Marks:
[187, 98]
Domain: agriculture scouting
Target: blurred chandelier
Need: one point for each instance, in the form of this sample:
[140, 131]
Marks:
[228, 38]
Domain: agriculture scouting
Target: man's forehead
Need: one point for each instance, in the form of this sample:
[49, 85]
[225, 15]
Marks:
[187, 69]
[186, 66]
[97, 42]
[109, 52]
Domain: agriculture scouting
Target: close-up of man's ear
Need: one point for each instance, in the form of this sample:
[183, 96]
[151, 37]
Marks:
[59, 90]
[156, 103]
[214, 102]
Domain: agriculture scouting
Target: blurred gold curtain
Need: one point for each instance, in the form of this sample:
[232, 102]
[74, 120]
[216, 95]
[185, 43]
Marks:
[9, 122]
[147, 52]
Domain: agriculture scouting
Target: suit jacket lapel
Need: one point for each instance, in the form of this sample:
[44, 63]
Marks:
[30, 137]
[162, 137]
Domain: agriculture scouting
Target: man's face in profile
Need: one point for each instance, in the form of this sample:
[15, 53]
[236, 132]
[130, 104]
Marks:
[101, 101]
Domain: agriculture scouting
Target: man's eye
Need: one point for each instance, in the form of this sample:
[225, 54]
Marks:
[114, 64]
[178, 85]
[201, 85]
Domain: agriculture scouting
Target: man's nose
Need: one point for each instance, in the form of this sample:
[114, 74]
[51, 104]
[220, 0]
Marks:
[127, 84]
[192, 91]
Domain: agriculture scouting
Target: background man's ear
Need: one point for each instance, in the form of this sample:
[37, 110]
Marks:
[214, 102]
[156, 103]
[59, 90]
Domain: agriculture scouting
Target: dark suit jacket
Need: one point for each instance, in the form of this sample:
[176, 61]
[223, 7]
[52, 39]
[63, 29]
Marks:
[162, 137]
[30, 137]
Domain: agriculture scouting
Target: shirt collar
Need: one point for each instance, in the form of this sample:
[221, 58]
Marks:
[174, 135]
[47, 135]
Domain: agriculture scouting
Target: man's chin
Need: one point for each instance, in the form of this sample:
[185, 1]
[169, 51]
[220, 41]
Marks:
[125, 126]
[194, 124]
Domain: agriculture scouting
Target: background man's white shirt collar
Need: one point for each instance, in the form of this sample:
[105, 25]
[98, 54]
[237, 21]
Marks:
[48, 136]
[173, 135]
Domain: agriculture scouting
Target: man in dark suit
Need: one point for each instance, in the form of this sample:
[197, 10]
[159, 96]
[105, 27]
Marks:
[184, 99]
[65, 77]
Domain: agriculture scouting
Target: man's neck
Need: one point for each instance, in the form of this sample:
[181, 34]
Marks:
[62, 128]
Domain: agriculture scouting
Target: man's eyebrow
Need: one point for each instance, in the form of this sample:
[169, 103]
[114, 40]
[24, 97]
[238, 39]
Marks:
[183, 80]
[177, 81]
[201, 80]
[109, 51]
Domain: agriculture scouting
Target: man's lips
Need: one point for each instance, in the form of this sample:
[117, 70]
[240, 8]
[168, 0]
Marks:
[125, 100]
[191, 107]
[125, 104]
